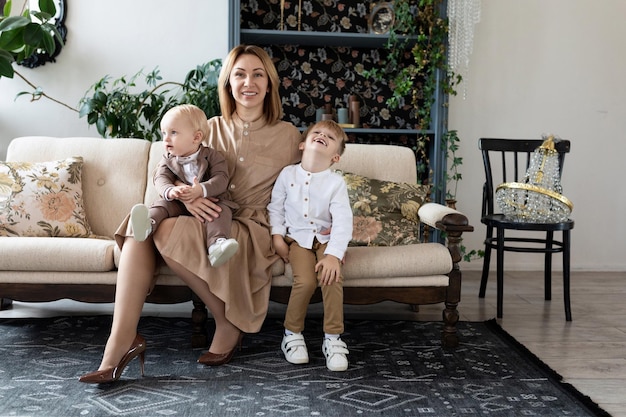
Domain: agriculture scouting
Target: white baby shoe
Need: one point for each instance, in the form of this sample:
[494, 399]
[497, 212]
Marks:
[294, 348]
[222, 250]
[335, 351]
[140, 222]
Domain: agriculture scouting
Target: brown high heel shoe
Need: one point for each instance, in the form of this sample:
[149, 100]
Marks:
[138, 348]
[217, 359]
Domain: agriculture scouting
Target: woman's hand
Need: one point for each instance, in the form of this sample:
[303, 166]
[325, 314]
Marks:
[204, 209]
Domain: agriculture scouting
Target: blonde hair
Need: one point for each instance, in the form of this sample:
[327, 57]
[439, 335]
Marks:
[272, 107]
[333, 127]
[194, 115]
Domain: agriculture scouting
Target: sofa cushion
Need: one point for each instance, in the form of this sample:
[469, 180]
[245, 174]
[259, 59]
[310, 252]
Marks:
[423, 264]
[56, 254]
[114, 174]
[385, 212]
[43, 199]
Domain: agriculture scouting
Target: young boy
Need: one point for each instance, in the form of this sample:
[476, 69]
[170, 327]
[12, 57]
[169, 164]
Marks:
[311, 223]
[204, 173]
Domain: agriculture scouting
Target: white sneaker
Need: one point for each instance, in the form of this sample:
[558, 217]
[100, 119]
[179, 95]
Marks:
[335, 351]
[222, 250]
[140, 222]
[294, 348]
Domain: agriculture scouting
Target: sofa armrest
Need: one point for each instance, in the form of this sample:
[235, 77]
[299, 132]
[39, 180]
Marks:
[448, 220]
[443, 218]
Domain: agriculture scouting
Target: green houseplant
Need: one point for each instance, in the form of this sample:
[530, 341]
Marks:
[417, 66]
[23, 35]
[452, 176]
[120, 108]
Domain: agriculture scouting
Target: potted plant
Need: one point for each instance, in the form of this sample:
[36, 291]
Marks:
[112, 105]
[121, 110]
[23, 35]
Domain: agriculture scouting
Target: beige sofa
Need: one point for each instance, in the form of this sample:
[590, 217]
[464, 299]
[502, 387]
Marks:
[117, 175]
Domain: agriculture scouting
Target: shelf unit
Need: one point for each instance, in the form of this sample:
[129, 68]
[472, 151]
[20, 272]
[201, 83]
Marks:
[265, 37]
[357, 40]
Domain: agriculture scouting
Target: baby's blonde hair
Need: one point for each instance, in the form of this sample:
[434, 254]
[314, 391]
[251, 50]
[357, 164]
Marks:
[195, 116]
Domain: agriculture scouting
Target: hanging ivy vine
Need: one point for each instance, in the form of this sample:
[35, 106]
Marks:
[417, 62]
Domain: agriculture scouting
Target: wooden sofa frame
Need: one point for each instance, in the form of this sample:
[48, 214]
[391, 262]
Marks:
[453, 225]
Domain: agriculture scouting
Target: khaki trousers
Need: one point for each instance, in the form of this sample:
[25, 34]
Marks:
[304, 284]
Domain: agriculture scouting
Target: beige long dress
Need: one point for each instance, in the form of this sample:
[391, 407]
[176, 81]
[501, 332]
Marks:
[256, 152]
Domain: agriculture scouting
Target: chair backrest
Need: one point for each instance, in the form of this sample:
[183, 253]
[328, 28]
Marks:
[506, 160]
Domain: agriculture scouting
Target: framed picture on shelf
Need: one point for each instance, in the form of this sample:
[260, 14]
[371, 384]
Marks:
[382, 17]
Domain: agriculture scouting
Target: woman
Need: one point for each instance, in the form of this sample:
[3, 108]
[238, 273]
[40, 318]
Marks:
[256, 145]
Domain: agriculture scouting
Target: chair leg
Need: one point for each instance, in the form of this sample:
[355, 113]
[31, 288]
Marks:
[199, 317]
[566, 275]
[547, 271]
[486, 262]
[500, 271]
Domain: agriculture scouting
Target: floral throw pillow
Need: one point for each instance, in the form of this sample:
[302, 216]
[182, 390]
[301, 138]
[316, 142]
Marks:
[42, 199]
[385, 212]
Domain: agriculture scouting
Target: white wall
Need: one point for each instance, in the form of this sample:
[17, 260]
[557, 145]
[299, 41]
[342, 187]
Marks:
[552, 66]
[538, 66]
[115, 37]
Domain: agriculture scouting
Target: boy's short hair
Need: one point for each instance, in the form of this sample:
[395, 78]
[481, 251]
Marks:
[195, 116]
[333, 127]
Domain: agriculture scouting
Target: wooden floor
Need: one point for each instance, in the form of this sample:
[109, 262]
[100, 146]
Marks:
[590, 351]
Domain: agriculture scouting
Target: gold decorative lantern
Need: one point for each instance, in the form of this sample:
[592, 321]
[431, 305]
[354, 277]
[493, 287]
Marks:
[538, 198]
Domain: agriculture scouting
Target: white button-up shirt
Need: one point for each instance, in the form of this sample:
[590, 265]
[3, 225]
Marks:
[304, 204]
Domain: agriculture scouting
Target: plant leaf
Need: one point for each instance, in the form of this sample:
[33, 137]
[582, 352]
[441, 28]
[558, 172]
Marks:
[7, 8]
[85, 108]
[101, 125]
[48, 43]
[47, 6]
[13, 22]
[6, 69]
[33, 34]
[5, 55]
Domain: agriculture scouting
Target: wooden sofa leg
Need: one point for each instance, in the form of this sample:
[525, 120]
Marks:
[455, 226]
[449, 337]
[199, 317]
[5, 303]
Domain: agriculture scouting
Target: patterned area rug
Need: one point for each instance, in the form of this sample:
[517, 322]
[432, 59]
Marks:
[397, 368]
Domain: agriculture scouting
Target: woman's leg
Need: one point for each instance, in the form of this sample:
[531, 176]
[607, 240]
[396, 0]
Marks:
[134, 279]
[226, 334]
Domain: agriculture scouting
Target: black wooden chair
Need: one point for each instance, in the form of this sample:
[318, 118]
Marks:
[506, 160]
